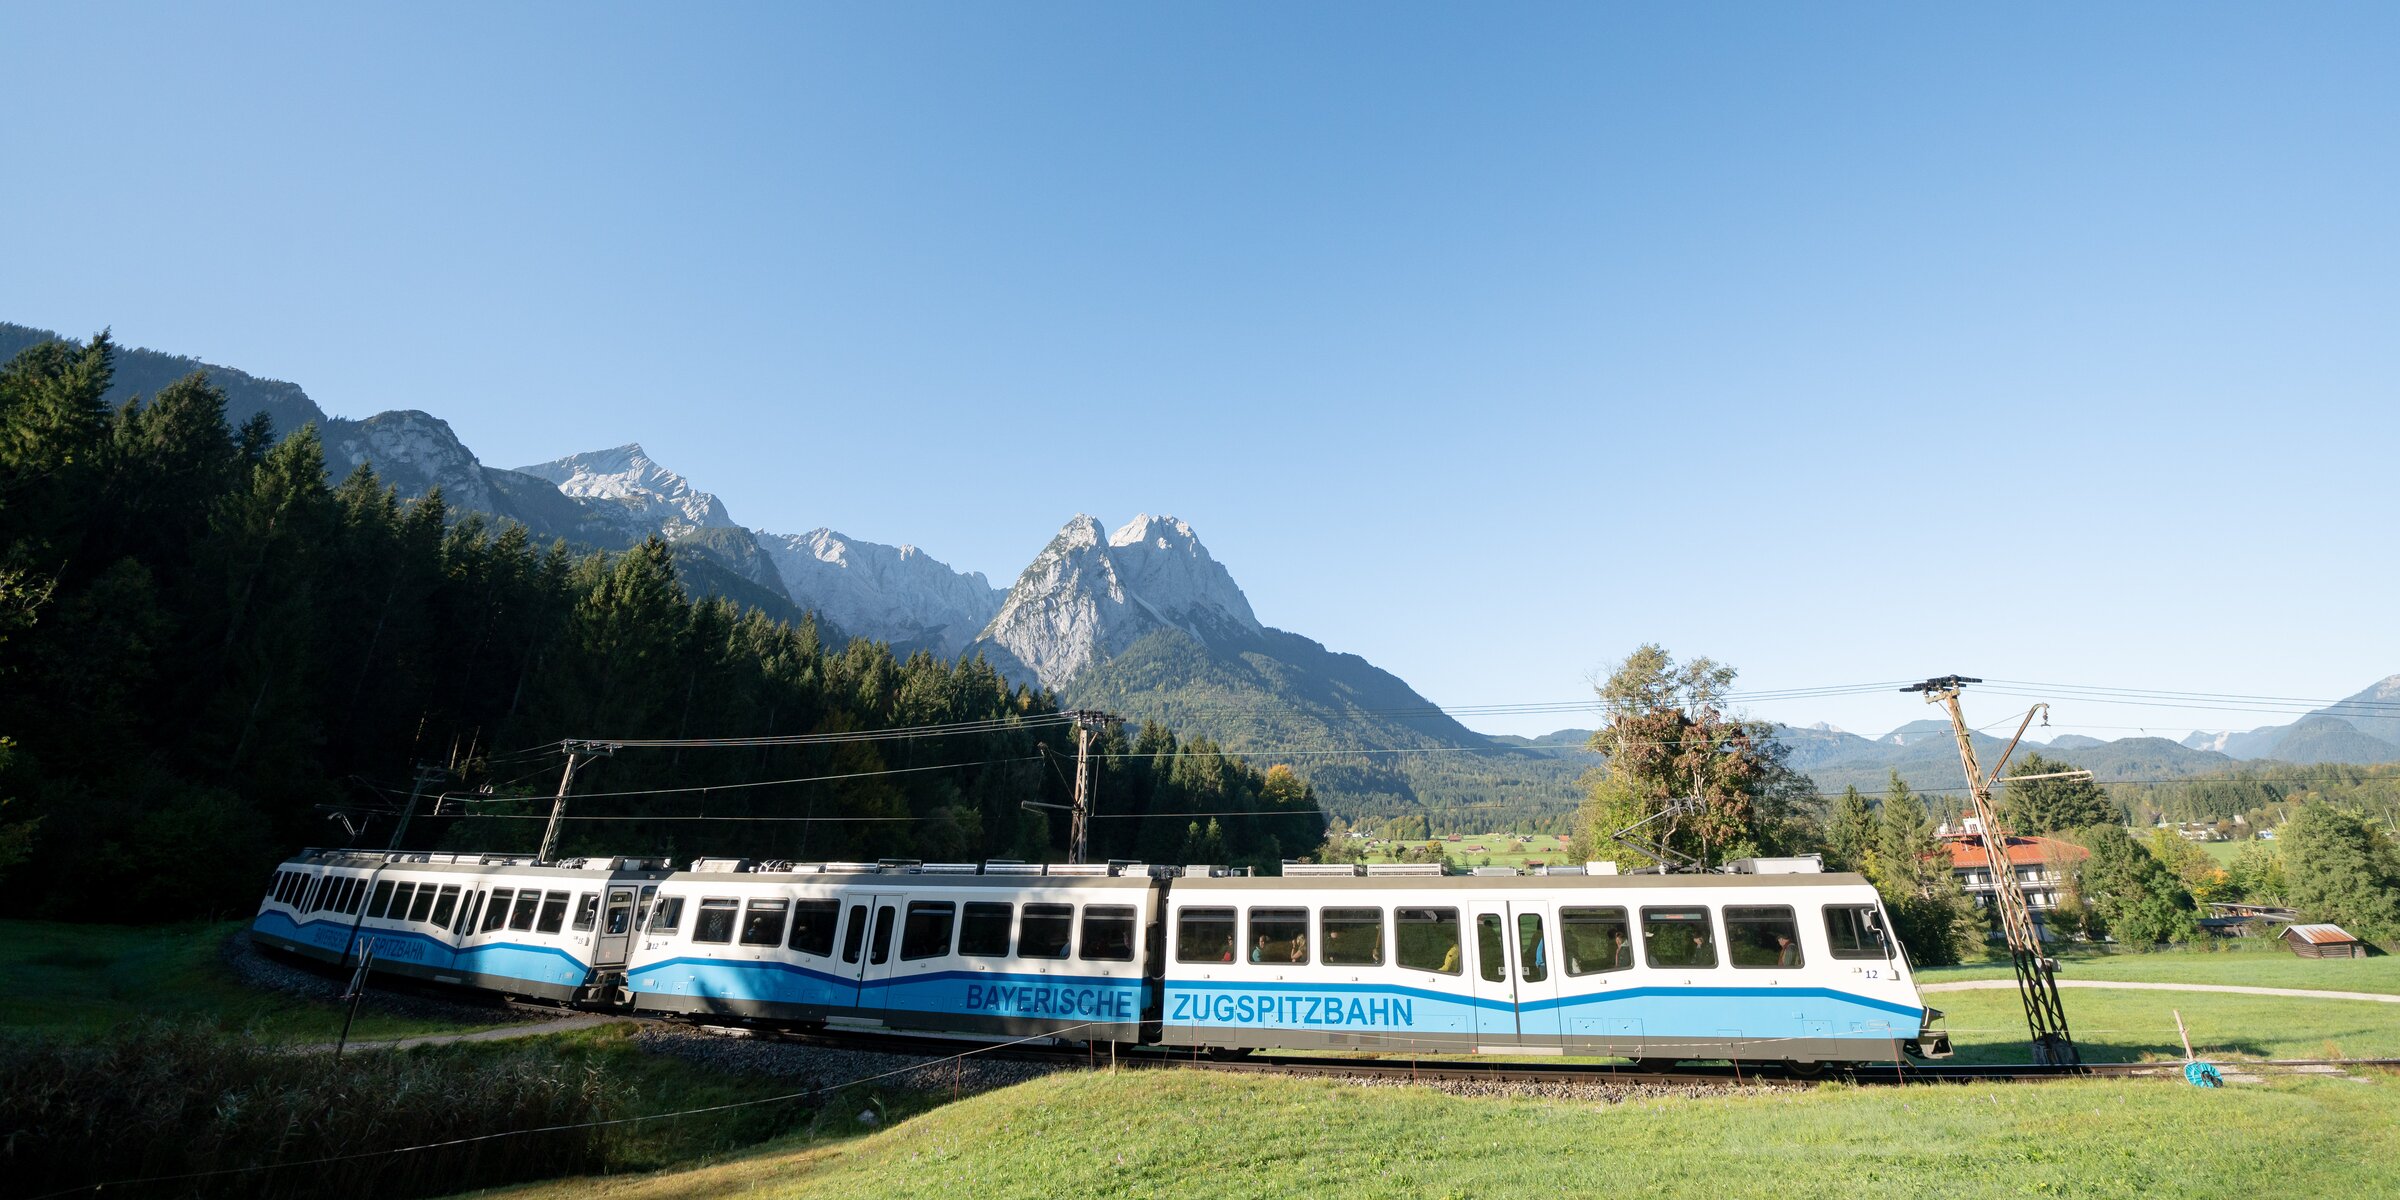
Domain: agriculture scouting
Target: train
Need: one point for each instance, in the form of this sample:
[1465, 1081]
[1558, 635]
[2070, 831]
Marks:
[1772, 963]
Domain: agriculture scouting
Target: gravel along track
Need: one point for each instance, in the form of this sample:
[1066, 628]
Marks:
[827, 1066]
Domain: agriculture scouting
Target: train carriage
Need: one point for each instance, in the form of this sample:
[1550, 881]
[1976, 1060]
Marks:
[1787, 967]
[1791, 967]
[920, 949]
[492, 922]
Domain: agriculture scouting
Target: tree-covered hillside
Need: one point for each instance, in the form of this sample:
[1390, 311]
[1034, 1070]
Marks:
[212, 658]
[1372, 746]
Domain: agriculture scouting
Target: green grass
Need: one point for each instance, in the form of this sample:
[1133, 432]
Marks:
[2131, 1026]
[2243, 962]
[1501, 849]
[2222, 852]
[1192, 1133]
[86, 979]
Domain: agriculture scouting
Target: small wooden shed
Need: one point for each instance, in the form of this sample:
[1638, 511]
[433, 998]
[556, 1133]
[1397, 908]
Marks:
[2323, 941]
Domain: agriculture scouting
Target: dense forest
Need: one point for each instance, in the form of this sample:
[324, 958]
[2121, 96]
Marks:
[212, 656]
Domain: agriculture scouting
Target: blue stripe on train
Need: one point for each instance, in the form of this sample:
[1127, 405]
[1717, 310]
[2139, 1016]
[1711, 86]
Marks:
[510, 960]
[1697, 1012]
[987, 993]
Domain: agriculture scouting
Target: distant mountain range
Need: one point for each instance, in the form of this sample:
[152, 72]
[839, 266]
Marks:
[1926, 752]
[1142, 621]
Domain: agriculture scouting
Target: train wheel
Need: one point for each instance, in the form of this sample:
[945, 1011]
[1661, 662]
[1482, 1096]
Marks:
[1655, 1066]
[1228, 1053]
[1805, 1070]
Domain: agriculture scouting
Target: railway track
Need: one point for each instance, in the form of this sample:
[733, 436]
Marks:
[1512, 1071]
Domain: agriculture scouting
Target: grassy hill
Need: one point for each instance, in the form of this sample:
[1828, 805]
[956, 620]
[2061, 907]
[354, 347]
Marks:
[1186, 1133]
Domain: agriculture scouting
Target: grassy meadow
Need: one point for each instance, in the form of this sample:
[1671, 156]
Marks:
[83, 980]
[1181, 1133]
[2239, 962]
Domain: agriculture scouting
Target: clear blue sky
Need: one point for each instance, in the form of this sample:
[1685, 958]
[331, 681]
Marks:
[1841, 343]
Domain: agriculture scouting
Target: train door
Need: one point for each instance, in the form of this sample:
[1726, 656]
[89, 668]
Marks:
[616, 928]
[1539, 960]
[867, 945]
[1493, 976]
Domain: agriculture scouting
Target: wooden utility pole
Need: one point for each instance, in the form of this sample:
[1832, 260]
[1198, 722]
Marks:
[2037, 981]
[576, 752]
[1079, 836]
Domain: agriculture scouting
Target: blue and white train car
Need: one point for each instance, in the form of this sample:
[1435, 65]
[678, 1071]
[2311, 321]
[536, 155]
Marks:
[494, 922]
[945, 948]
[1791, 967]
[1788, 967]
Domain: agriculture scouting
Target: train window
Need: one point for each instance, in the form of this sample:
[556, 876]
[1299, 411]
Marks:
[1428, 939]
[1352, 937]
[1047, 930]
[927, 933]
[667, 915]
[445, 906]
[1108, 932]
[495, 914]
[642, 907]
[554, 912]
[1854, 931]
[812, 925]
[1597, 940]
[468, 911]
[1491, 947]
[715, 923]
[984, 928]
[882, 948]
[358, 895]
[400, 899]
[857, 935]
[762, 922]
[274, 885]
[620, 913]
[529, 905]
[1279, 935]
[1678, 937]
[1762, 936]
[1533, 950]
[422, 909]
[326, 889]
[1204, 935]
[587, 912]
[383, 896]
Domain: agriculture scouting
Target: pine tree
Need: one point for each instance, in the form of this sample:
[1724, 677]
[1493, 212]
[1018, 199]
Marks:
[1911, 870]
[2051, 805]
[1851, 832]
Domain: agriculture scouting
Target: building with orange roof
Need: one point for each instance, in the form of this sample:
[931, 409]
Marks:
[2039, 863]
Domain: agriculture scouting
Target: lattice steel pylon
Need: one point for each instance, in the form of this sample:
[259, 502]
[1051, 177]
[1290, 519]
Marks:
[2037, 980]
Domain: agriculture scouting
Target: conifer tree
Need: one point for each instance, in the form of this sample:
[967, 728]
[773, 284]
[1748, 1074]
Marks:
[2342, 870]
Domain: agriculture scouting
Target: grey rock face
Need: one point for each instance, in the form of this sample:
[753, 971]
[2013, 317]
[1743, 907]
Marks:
[1085, 598]
[628, 481]
[415, 452]
[898, 594]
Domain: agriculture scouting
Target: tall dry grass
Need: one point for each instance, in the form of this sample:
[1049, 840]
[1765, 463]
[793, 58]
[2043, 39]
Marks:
[157, 1099]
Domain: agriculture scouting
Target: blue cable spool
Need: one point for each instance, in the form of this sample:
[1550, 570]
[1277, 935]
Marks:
[2200, 1074]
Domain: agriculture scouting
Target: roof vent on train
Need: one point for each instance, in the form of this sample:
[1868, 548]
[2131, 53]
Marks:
[1479, 871]
[720, 865]
[1797, 864]
[1309, 870]
[1424, 868]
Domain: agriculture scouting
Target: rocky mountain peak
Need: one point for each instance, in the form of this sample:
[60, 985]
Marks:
[627, 478]
[1085, 598]
[415, 452]
[897, 593]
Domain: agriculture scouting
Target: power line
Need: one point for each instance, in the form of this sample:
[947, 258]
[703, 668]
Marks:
[731, 787]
